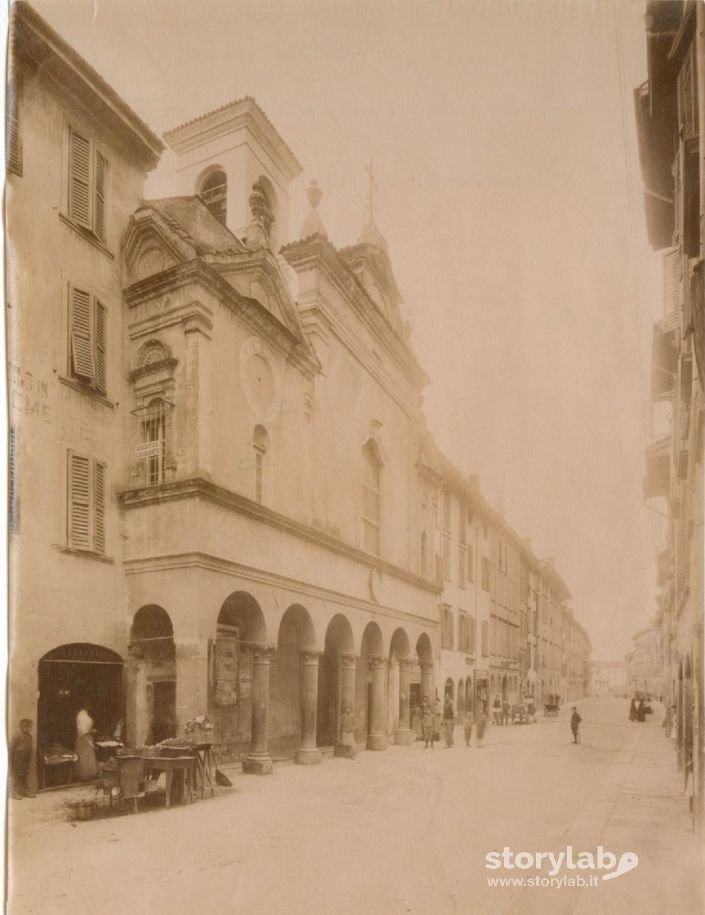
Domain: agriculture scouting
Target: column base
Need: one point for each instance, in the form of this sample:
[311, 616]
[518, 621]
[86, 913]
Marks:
[346, 750]
[257, 765]
[376, 741]
[308, 756]
[404, 737]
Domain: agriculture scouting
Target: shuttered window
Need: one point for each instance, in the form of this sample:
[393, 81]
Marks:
[12, 497]
[87, 338]
[87, 181]
[13, 141]
[672, 282]
[86, 503]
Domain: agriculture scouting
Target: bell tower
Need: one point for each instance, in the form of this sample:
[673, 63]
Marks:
[237, 163]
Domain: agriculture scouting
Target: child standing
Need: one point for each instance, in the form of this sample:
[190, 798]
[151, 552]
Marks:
[20, 760]
[575, 720]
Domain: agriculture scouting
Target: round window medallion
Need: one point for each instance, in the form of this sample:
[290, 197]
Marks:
[260, 380]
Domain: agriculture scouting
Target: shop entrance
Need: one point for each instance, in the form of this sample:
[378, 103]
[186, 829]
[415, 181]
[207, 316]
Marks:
[71, 677]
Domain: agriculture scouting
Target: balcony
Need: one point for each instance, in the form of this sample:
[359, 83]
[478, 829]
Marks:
[657, 481]
[664, 360]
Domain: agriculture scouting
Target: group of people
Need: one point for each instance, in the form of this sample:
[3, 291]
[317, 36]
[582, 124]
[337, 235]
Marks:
[429, 721]
[638, 709]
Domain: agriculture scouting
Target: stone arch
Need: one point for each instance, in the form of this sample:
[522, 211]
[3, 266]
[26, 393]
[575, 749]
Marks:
[240, 611]
[399, 645]
[151, 676]
[449, 689]
[367, 703]
[296, 635]
[398, 687]
[337, 653]
[153, 352]
[212, 188]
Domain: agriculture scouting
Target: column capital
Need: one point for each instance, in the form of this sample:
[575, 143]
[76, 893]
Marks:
[349, 660]
[403, 663]
[426, 665]
[262, 654]
[310, 658]
[376, 663]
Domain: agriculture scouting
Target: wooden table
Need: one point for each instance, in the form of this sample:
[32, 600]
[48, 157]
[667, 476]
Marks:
[169, 765]
[204, 767]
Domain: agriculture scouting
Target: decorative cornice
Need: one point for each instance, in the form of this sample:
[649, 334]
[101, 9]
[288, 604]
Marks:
[199, 488]
[244, 112]
[317, 252]
[250, 310]
[33, 36]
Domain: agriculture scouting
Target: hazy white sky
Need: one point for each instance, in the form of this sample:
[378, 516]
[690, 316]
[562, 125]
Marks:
[509, 190]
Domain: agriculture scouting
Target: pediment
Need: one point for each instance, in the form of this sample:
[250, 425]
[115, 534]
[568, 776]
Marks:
[152, 247]
[258, 277]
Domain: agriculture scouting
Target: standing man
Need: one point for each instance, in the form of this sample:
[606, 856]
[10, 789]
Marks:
[575, 720]
[481, 724]
[448, 721]
[427, 723]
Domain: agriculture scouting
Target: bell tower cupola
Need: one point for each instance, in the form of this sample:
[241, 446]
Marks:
[237, 163]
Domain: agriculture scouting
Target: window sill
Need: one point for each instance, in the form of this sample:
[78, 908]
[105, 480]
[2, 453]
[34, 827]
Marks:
[85, 554]
[87, 235]
[85, 389]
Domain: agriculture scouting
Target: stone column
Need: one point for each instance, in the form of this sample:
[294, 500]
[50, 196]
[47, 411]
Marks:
[376, 738]
[427, 680]
[308, 753]
[259, 762]
[348, 667]
[404, 734]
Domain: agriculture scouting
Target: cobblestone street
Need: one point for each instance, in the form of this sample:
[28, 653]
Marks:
[405, 830]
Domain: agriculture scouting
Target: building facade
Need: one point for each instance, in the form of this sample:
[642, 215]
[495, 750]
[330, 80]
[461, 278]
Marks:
[670, 113]
[224, 500]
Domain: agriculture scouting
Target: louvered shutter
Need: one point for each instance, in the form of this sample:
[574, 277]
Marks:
[672, 282]
[100, 170]
[80, 179]
[79, 501]
[81, 334]
[13, 152]
[101, 316]
[99, 507]
[12, 481]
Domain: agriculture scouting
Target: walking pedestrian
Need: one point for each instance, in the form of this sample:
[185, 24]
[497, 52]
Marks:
[427, 723]
[497, 710]
[632, 710]
[480, 725]
[85, 748]
[20, 760]
[641, 711]
[468, 722]
[575, 720]
[506, 708]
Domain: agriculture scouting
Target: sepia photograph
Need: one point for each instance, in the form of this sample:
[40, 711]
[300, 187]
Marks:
[355, 429]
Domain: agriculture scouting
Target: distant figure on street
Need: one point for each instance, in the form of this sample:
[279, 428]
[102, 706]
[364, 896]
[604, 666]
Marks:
[437, 719]
[575, 720]
[641, 711]
[632, 710]
[417, 724]
[497, 710]
[347, 730]
[506, 709]
[480, 724]
[20, 759]
[468, 722]
[427, 722]
[448, 722]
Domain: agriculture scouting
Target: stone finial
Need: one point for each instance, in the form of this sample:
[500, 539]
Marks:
[312, 224]
[260, 226]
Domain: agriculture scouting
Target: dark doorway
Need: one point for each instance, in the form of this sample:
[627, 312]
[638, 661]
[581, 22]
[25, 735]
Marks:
[70, 677]
[163, 710]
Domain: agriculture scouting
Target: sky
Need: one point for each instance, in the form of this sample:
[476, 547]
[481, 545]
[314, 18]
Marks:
[504, 149]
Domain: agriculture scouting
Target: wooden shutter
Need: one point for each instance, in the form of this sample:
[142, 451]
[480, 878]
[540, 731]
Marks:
[101, 316]
[100, 170]
[672, 282]
[80, 179]
[13, 152]
[82, 362]
[12, 481]
[99, 506]
[79, 501]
